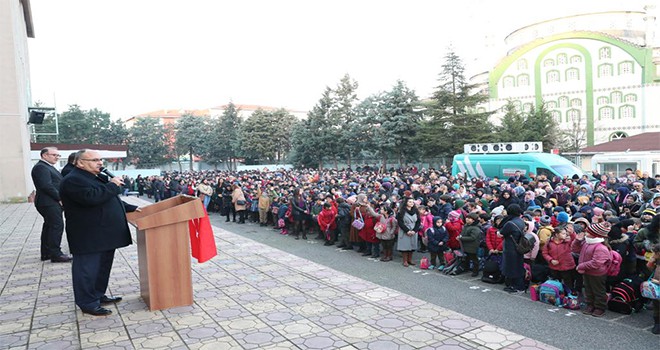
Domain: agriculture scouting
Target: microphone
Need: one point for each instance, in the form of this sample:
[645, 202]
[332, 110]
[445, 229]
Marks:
[107, 172]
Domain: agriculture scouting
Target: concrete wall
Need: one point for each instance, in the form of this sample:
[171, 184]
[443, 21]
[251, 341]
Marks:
[15, 181]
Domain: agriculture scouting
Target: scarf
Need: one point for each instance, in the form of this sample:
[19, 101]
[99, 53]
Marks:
[594, 240]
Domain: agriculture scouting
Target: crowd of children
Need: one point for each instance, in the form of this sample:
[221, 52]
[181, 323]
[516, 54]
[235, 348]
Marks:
[589, 233]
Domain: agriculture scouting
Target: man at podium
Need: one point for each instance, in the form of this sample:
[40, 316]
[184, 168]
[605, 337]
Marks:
[96, 225]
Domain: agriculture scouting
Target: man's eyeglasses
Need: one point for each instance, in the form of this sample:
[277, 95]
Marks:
[54, 154]
[96, 160]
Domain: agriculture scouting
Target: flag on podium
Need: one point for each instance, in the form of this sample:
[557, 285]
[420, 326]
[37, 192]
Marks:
[202, 241]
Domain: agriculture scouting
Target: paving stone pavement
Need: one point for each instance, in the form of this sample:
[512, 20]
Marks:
[250, 296]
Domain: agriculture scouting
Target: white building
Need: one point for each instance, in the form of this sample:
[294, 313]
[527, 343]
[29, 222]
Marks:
[596, 72]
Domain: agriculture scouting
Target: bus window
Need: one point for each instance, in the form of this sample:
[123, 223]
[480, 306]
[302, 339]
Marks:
[543, 171]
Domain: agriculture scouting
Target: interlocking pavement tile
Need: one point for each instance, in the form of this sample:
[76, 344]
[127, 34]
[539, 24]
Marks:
[359, 286]
[281, 316]
[230, 313]
[242, 324]
[313, 308]
[158, 341]
[15, 321]
[326, 293]
[401, 302]
[119, 345]
[323, 340]
[190, 320]
[239, 289]
[223, 343]
[333, 319]
[377, 294]
[140, 316]
[284, 345]
[456, 324]
[363, 311]
[252, 297]
[258, 338]
[452, 344]
[356, 332]
[219, 303]
[201, 334]
[426, 313]
[389, 323]
[297, 329]
[264, 306]
[40, 321]
[17, 339]
[280, 291]
[385, 342]
[293, 300]
[103, 337]
[60, 337]
[492, 337]
[99, 323]
[530, 344]
[149, 327]
[419, 336]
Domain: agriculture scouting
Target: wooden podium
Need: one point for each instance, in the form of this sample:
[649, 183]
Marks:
[163, 241]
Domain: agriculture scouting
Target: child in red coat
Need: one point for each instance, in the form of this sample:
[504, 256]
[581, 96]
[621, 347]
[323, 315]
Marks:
[557, 252]
[494, 243]
[454, 226]
[326, 221]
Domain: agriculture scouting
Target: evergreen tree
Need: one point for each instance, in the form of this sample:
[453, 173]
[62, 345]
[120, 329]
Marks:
[224, 136]
[528, 126]
[453, 119]
[190, 134]
[343, 114]
[266, 135]
[147, 144]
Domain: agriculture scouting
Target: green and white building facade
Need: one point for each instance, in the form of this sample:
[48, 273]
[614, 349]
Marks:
[598, 74]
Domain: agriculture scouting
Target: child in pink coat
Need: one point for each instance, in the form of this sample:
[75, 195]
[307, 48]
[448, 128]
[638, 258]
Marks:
[557, 252]
[593, 263]
[427, 223]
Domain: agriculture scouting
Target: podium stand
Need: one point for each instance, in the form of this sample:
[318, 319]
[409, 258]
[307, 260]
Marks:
[163, 241]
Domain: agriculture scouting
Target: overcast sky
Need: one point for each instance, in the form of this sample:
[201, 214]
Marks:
[128, 57]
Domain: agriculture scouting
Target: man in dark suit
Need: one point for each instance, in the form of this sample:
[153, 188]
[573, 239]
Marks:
[47, 181]
[96, 225]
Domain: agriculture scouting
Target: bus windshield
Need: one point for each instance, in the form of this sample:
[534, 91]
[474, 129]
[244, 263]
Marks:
[567, 170]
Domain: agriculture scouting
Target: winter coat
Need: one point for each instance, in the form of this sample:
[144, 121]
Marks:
[594, 258]
[537, 246]
[436, 235]
[367, 233]
[512, 262]
[344, 215]
[264, 200]
[560, 251]
[237, 195]
[454, 229]
[493, 241]
[544, 234]
[326, 220]
[391, 226]
[470, 238]
[427, 223]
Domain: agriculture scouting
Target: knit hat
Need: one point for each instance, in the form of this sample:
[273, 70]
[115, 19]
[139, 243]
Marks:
[545, 220]
[649, 212]
[583, 221]
[459, 203]
[562, 217]
[454, 215]
[600, 229]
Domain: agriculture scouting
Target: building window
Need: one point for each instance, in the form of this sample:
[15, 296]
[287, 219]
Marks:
[552, 76]
[508, 82]
[562, 58]
[523, 80]
[616, 97]
[522, 64]
[551, 104]
[572, 74]
[606, 113]
[563, 101]
[576, 102]
[603, 100]
[630, 98]
[627, 111]
[605, 70]
[573, 115]
[626, 68]
[576, 59]
[618, 135]
[604, 53]
[549, 62]
[556, 115]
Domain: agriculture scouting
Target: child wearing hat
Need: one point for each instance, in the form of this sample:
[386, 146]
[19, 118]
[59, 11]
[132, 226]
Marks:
[593, 263]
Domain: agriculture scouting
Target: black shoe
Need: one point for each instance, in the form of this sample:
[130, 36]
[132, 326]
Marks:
[45, 257]
[227, 220]
[327, 243]
[656, 329]
[110, 300]
[366, 254]
[99, 311]
[297, 237]
[475, 274]
[509, 289]
[341, 246]
[347, 248]
[61, 258]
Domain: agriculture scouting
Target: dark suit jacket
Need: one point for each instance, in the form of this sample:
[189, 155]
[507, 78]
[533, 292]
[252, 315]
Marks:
[95, 216]
[47, 181]
[67, 169]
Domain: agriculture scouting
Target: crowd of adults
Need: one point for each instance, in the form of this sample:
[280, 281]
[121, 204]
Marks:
[431, 212]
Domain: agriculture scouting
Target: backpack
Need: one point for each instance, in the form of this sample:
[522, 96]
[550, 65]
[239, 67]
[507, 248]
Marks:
[424, 263]
[625, 297]
[571, 302]
[491, 270]
[551, 292]
[526, 242]
[615, 263]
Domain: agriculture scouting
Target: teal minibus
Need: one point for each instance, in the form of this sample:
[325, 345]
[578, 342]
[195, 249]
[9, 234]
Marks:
[505, 165]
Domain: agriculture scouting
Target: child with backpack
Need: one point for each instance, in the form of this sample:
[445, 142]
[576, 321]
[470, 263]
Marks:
[557, 252]
[282, 219]
[595, 258]
[437, 239]
[427, 223]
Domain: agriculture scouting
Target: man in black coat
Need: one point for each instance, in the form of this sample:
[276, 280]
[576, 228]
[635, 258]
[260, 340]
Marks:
[96, 225]
[47, 181]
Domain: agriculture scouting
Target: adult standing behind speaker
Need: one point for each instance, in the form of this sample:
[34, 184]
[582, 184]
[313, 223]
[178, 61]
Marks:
[47, 181]
[96, 225]
[69, 164]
